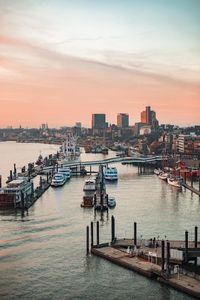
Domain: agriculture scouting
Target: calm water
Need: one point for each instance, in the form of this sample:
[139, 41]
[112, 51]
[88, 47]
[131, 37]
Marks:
[42, 255]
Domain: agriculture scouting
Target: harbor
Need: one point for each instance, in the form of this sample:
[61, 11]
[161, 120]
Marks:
[56, 221]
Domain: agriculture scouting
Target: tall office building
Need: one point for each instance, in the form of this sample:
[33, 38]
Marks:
[123, 120]
[99, 121]
[148, 116]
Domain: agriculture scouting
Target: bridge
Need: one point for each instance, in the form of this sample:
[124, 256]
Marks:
[124, 160]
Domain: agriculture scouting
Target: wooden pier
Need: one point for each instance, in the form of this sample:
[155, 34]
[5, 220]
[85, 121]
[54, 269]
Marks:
[165, 261]
[191, 188]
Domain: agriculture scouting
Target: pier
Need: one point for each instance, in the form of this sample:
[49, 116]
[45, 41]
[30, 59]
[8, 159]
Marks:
[165, 261]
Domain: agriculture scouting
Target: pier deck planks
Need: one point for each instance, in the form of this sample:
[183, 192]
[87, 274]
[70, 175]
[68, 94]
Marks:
[182, 283]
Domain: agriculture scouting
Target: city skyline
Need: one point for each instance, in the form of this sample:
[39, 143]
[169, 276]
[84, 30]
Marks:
[63, 61]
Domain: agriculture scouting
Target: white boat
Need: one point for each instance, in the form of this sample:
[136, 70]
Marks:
[174, 181]
[90, 185]
[111, 174]
[58, 180]
[11, 194]
[163, 176]
[69, 151]
[111, 202]
[157, 171]
[66, 171]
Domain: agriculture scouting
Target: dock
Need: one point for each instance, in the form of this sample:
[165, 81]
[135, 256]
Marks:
[191, 188]
[164, 261]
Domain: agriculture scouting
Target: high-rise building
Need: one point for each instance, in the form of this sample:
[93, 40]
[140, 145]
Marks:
[123, 120]
[99, 121]
[148, 116]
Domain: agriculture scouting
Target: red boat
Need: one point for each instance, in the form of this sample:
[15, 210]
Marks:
[88, 201]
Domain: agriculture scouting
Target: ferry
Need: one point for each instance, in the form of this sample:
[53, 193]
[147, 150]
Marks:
[66, 171]
[90, 185]
[11, 195]
[58, 180]
[111, 174]
[69, 151]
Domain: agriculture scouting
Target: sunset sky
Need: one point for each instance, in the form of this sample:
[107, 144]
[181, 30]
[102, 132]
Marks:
[62, 60]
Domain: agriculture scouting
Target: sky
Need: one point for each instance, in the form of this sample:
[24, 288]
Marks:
[62, 60]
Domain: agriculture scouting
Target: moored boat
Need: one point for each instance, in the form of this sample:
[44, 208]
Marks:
[157, 171]
[66, 171]
[88, 201]
[163, 176]
[90, 185]
[111, 174]
[11, 195]
[111, 202]
[58, 180]
[177, 182]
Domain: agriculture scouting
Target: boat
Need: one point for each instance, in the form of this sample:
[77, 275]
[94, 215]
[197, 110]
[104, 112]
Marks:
[104, 150]
[111, 202]
[88, 201]
[69, 151]
[177, 182]
[157, 171]
[111, 174]
[163, 176]
[58, 180]
[11, 195]
[90, 185]
[66, 171]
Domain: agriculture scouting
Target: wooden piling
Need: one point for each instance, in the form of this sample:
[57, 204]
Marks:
[97, 232]
[163, 255]
[185, 177]
[0, 181]
[168, 258]
[112, 229]
[22, 201]
[135, 233]
[15, 170]
[192, 180]
[199, 182]
[186, 246]
[92, 234]
[40, 182]
[87, 240]
[195, 241]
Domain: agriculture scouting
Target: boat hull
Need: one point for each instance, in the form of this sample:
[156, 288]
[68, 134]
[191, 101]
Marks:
[7, 201]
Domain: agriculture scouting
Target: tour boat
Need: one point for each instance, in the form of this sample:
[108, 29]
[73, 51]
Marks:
[11, 194]
[111, 174]
[58, 180]
[163, 176]
[66, 171]
[69, 151]
[90, 185]
[111, 202]
[174, 181]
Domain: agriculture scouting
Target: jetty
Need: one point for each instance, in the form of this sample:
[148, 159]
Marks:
[100, 197]
[167, 261]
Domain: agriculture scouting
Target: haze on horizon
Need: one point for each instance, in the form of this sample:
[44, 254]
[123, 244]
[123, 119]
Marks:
[62, 60]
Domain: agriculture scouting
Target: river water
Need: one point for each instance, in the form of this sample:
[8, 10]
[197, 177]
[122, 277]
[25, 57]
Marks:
[42, 254]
